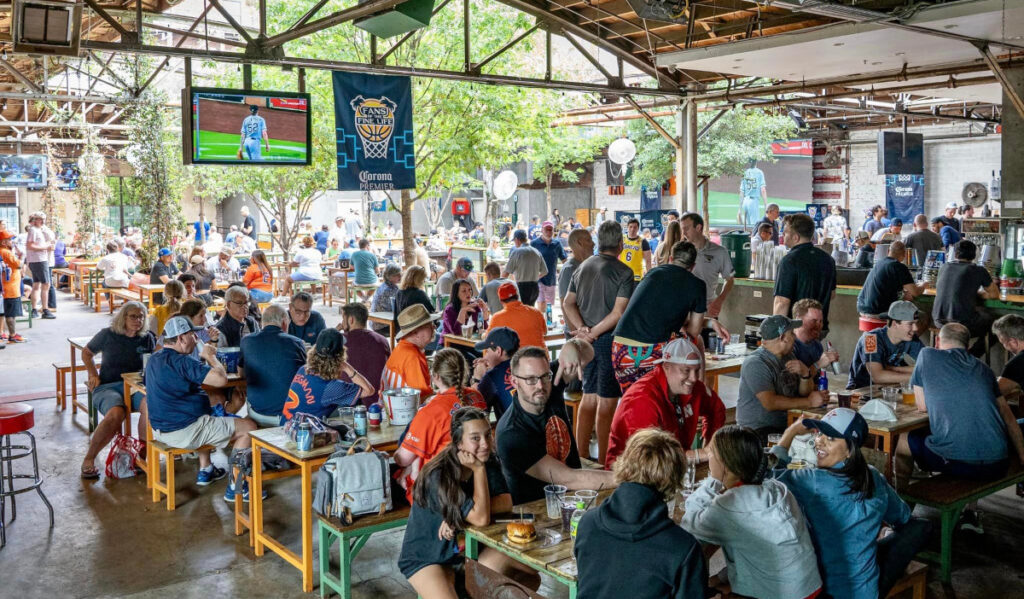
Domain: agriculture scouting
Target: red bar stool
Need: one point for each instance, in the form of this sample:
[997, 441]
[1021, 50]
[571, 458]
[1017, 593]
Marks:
[16, 418]
[869, 323]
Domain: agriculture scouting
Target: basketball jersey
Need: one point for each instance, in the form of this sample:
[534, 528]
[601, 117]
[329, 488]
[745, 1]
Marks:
[633, 255]
[253, 127]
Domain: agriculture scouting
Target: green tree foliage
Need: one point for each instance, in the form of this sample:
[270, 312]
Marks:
[92, 190]
[560, 152]
[726, 149]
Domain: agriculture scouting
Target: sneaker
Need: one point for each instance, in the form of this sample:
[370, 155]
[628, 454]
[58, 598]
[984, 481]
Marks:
[970, 520]
[16, 339]
[47, 315]
[205, 477]
[229, 493]
[4, 336]
[35, 313]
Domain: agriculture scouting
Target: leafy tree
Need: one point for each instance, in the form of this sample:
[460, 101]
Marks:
[737, 137]
[92, 190]
[559, 152]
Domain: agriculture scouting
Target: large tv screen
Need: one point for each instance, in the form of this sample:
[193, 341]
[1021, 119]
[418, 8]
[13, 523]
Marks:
[67, 176]
[246, 127]
[23, 169]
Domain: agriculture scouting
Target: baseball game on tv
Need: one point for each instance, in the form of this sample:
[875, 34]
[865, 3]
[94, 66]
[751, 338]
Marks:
[248, 127]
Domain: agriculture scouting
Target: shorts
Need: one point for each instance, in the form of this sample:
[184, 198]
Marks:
[12, 307]
[930, 461]
[207, 430]
[528, 291]
[111, 395]
[262, 420]
[631, 362]
[40, 272]
[599, 375]
[547, 293]
[298, 276]
[259, 296]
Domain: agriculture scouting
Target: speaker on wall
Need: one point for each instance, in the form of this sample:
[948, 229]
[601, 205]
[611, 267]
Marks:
[891, 157]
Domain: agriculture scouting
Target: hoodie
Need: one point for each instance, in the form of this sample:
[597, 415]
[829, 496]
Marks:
[629, 547]
[763, 535]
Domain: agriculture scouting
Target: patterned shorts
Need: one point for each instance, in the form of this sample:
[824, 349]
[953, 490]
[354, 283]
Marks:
[633, 361]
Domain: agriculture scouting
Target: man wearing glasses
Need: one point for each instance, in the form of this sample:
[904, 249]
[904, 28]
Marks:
[535, 442]
[236, 322]
[304, 322]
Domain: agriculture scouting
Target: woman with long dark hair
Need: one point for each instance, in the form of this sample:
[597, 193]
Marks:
[846, 502]
[756, 521]
[462, 486]
[259, 278]
[462, 309]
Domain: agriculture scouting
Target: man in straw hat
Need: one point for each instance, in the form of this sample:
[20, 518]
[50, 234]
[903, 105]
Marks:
[407, 366]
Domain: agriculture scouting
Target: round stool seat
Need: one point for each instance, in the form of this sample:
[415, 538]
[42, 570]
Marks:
[15, 418]
[869, 323]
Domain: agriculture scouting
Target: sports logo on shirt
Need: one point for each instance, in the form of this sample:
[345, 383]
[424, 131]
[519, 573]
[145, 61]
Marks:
[559, 443]
[870, 343]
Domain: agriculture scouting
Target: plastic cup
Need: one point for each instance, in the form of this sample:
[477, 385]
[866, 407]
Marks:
[588, 497]
[348, 416]
[554, 495]
[845, 399]
[774, 439]
[568, 509]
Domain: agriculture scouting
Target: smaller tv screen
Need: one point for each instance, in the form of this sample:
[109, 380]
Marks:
[23, 169]
[67, 176]
[891, 158]
[248, 127]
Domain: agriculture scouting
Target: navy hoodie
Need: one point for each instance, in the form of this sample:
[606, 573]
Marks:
[629, 547]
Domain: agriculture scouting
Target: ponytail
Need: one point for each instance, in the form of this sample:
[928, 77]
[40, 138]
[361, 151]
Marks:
[860, 480]
[450, 367]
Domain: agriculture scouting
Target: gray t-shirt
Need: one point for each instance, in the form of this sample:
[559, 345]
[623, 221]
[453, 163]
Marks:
[712, 261]
[960, 393]
[956, 292]
[597, 283]
[764, 371]
[565, 276]
[921, 242]
[526, 265]
[490, 295]
[447, 280]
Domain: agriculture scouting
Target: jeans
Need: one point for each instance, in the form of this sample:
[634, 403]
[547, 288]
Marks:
[259, 296]
[896, 550]
[51, 296]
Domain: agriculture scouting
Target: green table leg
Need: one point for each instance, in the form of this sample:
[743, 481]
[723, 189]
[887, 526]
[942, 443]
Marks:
[472, 547]
[325, 556]
[949, 520]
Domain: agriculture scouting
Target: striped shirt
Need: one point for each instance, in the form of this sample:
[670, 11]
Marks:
[407, 367]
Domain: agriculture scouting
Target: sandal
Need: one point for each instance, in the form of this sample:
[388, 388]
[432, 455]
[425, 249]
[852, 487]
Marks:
[90, 473]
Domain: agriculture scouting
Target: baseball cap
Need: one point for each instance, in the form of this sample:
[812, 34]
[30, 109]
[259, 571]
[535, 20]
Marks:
[5, 234]
[227, 251]
[896, 222]
[502, 337]
[465, 264]
[951, 206]
[179, 325]
[902, 310]
[519, 234]
[863, 235]
[680, 351]
[164, 252]
[547, 224]
[196, 259]
[937, 219]
[774, 326]
[841, 423]
[506, 290]
[330, 342]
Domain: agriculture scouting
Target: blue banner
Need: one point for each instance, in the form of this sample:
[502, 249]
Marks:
[373, 121]
[904, 196]
[650, 199]
[649, 219]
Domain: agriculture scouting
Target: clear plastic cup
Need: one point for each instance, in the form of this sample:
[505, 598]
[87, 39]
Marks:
[554, 495]
[588, 497]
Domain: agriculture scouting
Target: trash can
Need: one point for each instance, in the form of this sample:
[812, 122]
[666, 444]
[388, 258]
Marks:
[738, 245]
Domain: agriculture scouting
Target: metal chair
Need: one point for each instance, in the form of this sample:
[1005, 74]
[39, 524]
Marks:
[17, 418]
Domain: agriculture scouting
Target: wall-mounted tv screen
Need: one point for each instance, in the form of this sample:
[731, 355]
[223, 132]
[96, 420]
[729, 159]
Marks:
[23, 169]
[246, 127]
[67, 176]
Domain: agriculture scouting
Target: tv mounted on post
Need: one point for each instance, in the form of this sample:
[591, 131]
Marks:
[246, 127]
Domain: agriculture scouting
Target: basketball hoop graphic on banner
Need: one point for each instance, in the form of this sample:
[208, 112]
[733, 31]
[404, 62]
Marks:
[375, 122]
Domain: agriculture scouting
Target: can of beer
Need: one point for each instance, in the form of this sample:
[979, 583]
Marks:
[304, 437]
[373, 415]
[359, 420]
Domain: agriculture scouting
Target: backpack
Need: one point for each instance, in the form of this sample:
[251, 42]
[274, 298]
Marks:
[353, 483]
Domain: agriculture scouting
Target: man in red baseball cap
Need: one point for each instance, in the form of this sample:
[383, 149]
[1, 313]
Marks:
[527, 321]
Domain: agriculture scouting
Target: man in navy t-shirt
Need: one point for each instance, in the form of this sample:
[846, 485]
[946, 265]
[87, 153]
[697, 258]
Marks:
[179, 408]
[491, 372]
[879, 356]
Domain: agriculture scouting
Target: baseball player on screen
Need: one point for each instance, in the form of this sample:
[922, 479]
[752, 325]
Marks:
[254, 129]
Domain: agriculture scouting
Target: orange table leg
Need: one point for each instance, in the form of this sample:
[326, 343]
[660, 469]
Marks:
[307, 527]
[256, 497]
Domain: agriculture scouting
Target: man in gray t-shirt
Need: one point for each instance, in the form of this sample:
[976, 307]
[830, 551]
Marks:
[773, 381]
[489, 292]
[713, 261]
[526, 266]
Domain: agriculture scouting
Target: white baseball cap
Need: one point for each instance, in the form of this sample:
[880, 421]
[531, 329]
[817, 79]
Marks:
[680, 351]
[951, 206]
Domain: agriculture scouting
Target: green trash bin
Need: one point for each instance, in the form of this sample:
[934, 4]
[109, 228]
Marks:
[738, 245]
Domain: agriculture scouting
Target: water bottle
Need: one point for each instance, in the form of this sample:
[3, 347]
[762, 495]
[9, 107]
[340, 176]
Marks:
[547, 314]
[304, 437]
[835, 363]
[822, 380]
[359, 420]
[574, 521]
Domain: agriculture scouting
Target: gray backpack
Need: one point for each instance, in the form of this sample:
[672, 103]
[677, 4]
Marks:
[353, 483]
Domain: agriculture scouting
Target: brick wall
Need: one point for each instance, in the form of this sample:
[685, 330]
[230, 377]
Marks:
[629, 201]
[948, 165]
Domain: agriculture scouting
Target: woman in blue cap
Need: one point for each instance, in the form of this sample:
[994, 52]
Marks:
[846, 502]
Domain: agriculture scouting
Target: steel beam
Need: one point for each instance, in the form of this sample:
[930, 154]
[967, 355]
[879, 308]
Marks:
[177, 44]
[309, 14]
[103, 14]
[105, 66]
[597, 64]
[997, 70]
[467, 62]
[231, 20]
[403, 39]
[21, 77]
[355, 67]
[198, 36]
[657, 127]
[506, 47]
[342, 16]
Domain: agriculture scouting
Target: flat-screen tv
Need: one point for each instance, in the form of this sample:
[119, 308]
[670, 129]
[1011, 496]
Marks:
[246, 127]
[891, 158]
[23, 169]
[67, 176]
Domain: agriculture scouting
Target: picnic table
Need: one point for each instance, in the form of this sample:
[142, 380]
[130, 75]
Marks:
[274, 440]
[387, 319]
[729, 362]
[908, 418]
[553, 343]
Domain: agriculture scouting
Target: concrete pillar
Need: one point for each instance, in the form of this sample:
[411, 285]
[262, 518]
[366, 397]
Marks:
[679, 202]
[1013, 150]
[691, 156]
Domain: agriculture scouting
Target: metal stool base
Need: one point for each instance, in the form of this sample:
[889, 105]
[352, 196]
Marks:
[7, 456]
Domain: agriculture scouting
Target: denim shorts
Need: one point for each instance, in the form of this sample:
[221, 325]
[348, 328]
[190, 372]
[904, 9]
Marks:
[599, 374]
[298, 276]
[111, 395]
[930, 461]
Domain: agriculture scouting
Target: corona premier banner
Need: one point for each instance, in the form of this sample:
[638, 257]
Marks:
[904, 196]
[373, 121]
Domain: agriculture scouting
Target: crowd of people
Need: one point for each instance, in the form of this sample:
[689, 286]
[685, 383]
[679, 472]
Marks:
[638, 312]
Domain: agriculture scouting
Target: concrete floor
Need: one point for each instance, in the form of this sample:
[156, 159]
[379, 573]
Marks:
[110, 540]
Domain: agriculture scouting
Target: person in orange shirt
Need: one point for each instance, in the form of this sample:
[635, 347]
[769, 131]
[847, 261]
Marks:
[10, 274]
[430, 430]
[526, 321]
[259, 278]
[407, 365]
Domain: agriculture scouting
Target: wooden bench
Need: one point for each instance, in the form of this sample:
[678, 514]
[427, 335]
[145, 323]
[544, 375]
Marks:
[125, 295]
[914, 577]
[311, 287]
[155, 449]
[64, 272]
[351, 540]
[949, 495]
[61, 370]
